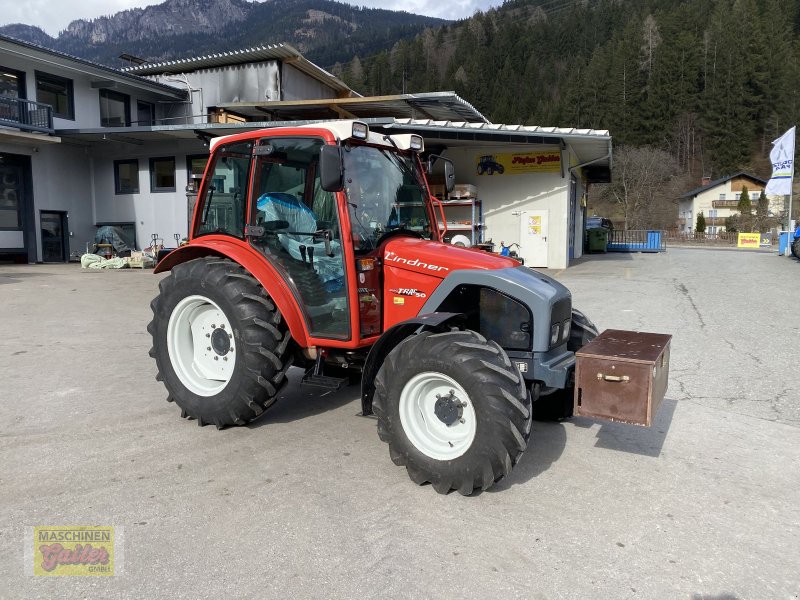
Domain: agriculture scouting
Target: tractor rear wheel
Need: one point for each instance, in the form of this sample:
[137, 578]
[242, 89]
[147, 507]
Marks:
[219, 342]
[796, 248]
[453, 409]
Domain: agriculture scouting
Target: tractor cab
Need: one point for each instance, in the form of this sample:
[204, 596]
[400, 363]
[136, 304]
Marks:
[319, 204]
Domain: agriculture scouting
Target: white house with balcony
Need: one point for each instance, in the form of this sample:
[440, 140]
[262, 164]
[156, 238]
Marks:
[718, 200]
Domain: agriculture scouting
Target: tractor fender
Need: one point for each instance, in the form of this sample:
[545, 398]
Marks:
[255, 264]
[440, 321]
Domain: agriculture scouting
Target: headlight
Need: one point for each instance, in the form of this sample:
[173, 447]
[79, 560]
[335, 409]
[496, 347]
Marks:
[360, 130]
[565, 330]
[554, 334]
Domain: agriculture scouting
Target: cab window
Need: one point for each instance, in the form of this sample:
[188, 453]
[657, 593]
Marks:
[224, 202]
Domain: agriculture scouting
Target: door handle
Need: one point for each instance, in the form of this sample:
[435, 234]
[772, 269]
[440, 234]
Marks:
[622, 378]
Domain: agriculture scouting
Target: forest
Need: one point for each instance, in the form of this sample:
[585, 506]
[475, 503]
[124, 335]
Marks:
[696, 88]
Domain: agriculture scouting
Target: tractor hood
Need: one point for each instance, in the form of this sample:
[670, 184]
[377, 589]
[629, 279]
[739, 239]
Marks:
[438, 259]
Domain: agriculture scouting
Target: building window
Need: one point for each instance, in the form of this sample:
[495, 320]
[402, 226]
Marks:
[126, 176]
[722, 196]
[145, 114]
[162, 174]
[10, 196]
[712, 213]
[12, 83]
[115, 109]
[195, 165]
[57, 92]
[738, 196]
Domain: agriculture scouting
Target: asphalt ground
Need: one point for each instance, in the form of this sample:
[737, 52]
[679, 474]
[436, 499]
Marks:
[305, 503]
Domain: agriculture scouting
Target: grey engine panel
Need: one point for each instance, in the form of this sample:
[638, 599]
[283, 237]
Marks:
[535, 290]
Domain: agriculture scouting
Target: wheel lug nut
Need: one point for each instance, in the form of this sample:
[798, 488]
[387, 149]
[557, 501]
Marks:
[213, 326]
[225, 358]
[222, 326]
[462, 421]
[208, 347]
[208, 335]
[216, 358]
[230, 335]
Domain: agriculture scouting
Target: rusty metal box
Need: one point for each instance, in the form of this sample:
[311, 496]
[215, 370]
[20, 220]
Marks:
[622, 376]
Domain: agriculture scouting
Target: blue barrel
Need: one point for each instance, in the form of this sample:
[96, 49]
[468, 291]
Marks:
[783, 243]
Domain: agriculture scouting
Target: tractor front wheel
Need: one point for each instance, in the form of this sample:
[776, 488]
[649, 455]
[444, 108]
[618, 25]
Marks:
[219, 342]
[453, 409]
[796, 247]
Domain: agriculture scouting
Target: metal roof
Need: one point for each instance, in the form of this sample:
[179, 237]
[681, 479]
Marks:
[73, 63]
[433, 105]
[591, 146]
[588, 144]
[286, 53]
[511, 130]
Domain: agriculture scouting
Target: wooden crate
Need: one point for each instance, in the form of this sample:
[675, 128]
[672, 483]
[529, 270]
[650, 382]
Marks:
[622, 376]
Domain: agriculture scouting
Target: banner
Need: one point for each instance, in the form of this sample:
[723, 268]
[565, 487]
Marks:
[749, 240]
[513, 163]
[782, 158]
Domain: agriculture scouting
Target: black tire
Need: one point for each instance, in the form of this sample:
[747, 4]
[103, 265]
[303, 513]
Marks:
[560, 404]
[501, 169]
[499, 399]
[796, 248]
[259, 336]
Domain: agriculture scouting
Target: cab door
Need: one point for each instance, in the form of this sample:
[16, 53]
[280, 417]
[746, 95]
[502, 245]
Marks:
[295, 224]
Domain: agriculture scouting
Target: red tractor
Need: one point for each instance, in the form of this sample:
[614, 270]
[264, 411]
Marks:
[319, 247]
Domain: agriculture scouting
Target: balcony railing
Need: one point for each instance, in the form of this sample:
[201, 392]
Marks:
[725, 203]
[26, 115]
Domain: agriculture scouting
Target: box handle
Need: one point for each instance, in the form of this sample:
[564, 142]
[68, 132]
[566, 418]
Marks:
[623, 378]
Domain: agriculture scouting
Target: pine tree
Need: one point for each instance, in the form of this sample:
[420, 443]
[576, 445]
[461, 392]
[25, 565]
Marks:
[745, 208]
[762, 212]
[701, 223]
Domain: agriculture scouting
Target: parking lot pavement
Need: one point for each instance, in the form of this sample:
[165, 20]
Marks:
[305, 502]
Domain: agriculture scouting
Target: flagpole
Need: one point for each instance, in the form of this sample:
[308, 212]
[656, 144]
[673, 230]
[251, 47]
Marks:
[789, 223]
[789, 216]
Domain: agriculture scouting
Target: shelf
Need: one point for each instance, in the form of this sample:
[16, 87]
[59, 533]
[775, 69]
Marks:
[462, 202]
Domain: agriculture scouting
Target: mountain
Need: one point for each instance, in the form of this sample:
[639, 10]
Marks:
[28, 33]
[325, 31]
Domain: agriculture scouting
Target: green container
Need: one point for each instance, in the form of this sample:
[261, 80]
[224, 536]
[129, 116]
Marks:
[598, 239]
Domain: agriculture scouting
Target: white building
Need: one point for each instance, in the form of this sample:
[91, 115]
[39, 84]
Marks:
[719, 199]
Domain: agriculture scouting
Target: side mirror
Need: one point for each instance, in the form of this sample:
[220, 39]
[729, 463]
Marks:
[330, 168]
[449, 170]
[449, 176]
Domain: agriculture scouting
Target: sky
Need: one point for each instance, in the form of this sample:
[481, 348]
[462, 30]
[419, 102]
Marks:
[54, 15]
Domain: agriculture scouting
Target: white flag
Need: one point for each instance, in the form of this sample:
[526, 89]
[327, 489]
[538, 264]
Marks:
[782, 158]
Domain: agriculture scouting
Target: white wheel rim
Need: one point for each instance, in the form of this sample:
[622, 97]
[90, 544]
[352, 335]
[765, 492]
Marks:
[430, 434]
[194, 322]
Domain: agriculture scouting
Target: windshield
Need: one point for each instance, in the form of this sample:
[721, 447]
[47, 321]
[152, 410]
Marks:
[385, 193]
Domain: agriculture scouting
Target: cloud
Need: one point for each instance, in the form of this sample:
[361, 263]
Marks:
[454, 9]
[54, 15]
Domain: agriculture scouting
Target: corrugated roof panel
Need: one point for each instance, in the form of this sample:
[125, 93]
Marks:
[499, 127]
